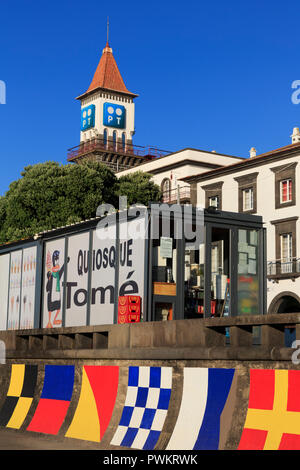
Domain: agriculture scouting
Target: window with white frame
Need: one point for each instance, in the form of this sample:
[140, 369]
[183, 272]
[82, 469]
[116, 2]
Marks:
[286, 252]
[286, 190]
[247, 199]
[214, 201]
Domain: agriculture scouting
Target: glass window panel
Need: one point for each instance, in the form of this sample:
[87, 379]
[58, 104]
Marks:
[248, 274]
[286, 190]
[164, 269]
[194, 281]
[220, 287]
[214, 201]
[248, 199]
[286, 252]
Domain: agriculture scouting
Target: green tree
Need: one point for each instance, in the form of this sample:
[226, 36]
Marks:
[138, 188]
[50, 195]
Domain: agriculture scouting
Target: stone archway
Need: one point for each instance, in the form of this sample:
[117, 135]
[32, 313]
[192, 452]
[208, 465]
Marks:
[285, 302]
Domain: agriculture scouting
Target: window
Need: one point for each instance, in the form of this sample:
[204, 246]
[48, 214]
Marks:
[105, 137]
[213, 195]
[285, 248]
[247, 192]
[214, 201]
[248, 199]
[124, 141]
[286, 191]
[285, 185]
[286, 252]
[166, 189]
[115, 140]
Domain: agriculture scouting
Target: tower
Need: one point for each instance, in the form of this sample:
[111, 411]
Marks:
[107, 120]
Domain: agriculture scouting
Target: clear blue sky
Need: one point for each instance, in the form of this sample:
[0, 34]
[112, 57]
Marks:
[210, 75]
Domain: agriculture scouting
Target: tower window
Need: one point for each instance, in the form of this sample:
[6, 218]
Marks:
[124, 141]
[115, 140]
[105, 137]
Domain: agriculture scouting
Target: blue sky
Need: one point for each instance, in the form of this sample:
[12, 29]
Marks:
[210, 75]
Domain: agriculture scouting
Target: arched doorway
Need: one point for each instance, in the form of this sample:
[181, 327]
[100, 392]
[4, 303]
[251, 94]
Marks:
[286, 302]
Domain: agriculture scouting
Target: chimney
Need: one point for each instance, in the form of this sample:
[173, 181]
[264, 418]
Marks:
[252, 152]
[295, 135]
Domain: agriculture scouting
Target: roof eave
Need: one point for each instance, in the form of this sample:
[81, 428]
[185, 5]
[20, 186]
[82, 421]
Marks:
[89, 92]
[286, 151]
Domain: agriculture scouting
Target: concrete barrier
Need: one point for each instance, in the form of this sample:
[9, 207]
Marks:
[163, 385]
[151, 406]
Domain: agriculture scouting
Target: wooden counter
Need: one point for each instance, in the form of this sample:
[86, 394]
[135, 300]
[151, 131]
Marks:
[164, 288]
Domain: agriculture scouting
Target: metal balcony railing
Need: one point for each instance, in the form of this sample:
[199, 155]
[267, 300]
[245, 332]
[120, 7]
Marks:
[176, 195]
[100, 144]
[283, 267]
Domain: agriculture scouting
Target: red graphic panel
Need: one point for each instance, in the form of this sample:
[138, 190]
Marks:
[252, 439]
[49, 416]
[104, 383]
[262, 386]
[293, 403]
[289, 442]
[129, 309]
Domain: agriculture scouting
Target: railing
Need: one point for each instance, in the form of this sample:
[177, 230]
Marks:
[230, 338]
[176, 195]
[284, 267]
[98, 143]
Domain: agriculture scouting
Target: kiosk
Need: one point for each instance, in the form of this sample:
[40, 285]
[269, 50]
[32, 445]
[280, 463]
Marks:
[180, 262]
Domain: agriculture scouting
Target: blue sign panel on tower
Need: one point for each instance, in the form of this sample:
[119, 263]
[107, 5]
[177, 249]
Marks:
[114, 115]
[88, 117]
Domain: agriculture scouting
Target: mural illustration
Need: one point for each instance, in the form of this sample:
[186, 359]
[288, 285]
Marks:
[208, 408]
[14, 290]
[19, 396]
[28, 288]
[53, 287]
[96, 403]
[55, 399]
[205, 392]
[273, 417]
[146, 407]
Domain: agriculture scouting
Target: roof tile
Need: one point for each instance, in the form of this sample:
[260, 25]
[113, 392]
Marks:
[107, 74]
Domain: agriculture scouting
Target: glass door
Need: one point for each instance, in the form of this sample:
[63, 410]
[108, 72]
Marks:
[220, 272]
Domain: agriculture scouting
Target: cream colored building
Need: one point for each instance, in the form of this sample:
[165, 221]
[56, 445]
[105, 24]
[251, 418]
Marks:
[266, 185]
[168, 171]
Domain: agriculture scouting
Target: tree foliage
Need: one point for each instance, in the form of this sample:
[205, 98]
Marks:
[138, 188]
[50, 195]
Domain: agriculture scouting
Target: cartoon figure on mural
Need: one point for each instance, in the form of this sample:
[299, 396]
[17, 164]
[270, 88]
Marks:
[53, 287]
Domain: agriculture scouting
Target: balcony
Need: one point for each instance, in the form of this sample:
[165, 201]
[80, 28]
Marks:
[178, 195]
[283, 269]
[99, 145]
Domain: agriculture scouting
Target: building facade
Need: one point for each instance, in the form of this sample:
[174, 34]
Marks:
[267, 185]
[168, 172]
[264, 185]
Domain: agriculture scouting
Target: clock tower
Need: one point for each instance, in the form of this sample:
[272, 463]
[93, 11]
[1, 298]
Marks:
[107, 120]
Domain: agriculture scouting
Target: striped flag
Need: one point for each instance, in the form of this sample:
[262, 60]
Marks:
[205, 392]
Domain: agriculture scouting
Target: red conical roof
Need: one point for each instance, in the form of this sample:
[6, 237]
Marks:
[107, 74]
